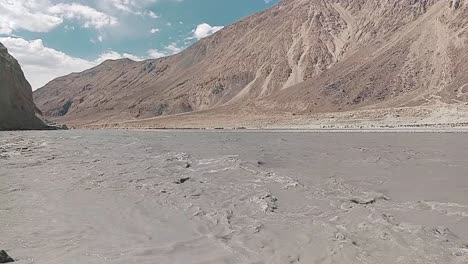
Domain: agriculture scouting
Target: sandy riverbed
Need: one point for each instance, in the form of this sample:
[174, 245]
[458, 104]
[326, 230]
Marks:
[110, 196]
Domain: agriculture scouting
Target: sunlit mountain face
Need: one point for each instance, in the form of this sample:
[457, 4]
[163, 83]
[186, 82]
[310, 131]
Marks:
[51, 38]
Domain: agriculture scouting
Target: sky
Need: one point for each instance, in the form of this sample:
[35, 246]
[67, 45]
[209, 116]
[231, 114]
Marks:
[52, 38]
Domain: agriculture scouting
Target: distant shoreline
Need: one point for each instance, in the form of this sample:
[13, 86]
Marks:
[295, 130]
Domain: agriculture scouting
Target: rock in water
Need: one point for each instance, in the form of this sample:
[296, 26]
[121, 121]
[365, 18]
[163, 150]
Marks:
[4, 258]
[182, 180]
[455, 4]
[17, 109]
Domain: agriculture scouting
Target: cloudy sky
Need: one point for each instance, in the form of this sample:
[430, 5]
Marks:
[52, 38]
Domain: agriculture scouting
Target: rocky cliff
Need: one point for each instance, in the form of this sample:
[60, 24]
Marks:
[17, 109]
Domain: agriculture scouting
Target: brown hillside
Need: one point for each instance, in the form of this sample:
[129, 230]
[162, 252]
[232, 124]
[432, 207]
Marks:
[304, 56]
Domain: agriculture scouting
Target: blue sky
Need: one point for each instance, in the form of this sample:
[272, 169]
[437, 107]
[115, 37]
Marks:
[51, 38]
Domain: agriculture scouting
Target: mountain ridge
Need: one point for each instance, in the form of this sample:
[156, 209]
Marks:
[279, 59]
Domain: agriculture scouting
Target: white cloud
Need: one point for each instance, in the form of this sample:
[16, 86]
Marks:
[123, 5]
[42, 64]
[151, 14]
[132, 6]
[204, 30]
[28, 15]
[43, 16]
[168, 50]
[173, 48]
[154, 30]
[112, 55]
[69, 28]
[156, 54]
[90, 16]
[127, 5]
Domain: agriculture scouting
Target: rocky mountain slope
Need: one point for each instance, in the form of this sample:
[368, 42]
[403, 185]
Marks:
[301, 56]
[17, 109]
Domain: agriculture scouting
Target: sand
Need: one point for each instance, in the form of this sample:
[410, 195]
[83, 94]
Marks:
[110, 196]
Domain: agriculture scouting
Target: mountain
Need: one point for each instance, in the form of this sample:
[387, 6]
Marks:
[17, 109]
[301, 56]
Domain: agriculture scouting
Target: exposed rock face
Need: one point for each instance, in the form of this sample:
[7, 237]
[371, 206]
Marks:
[455, 4]
[17, 109]
[301, 55]
[4, 258]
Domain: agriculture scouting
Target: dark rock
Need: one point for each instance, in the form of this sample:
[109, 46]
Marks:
[182, 180]
[367, 201]
[372, 201]
[455, 4]
[55, 126]
[17, 109]
[4, 258]
[340, 237]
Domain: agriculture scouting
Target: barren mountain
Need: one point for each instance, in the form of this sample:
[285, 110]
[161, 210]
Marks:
[17, 110]
[301, 56]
